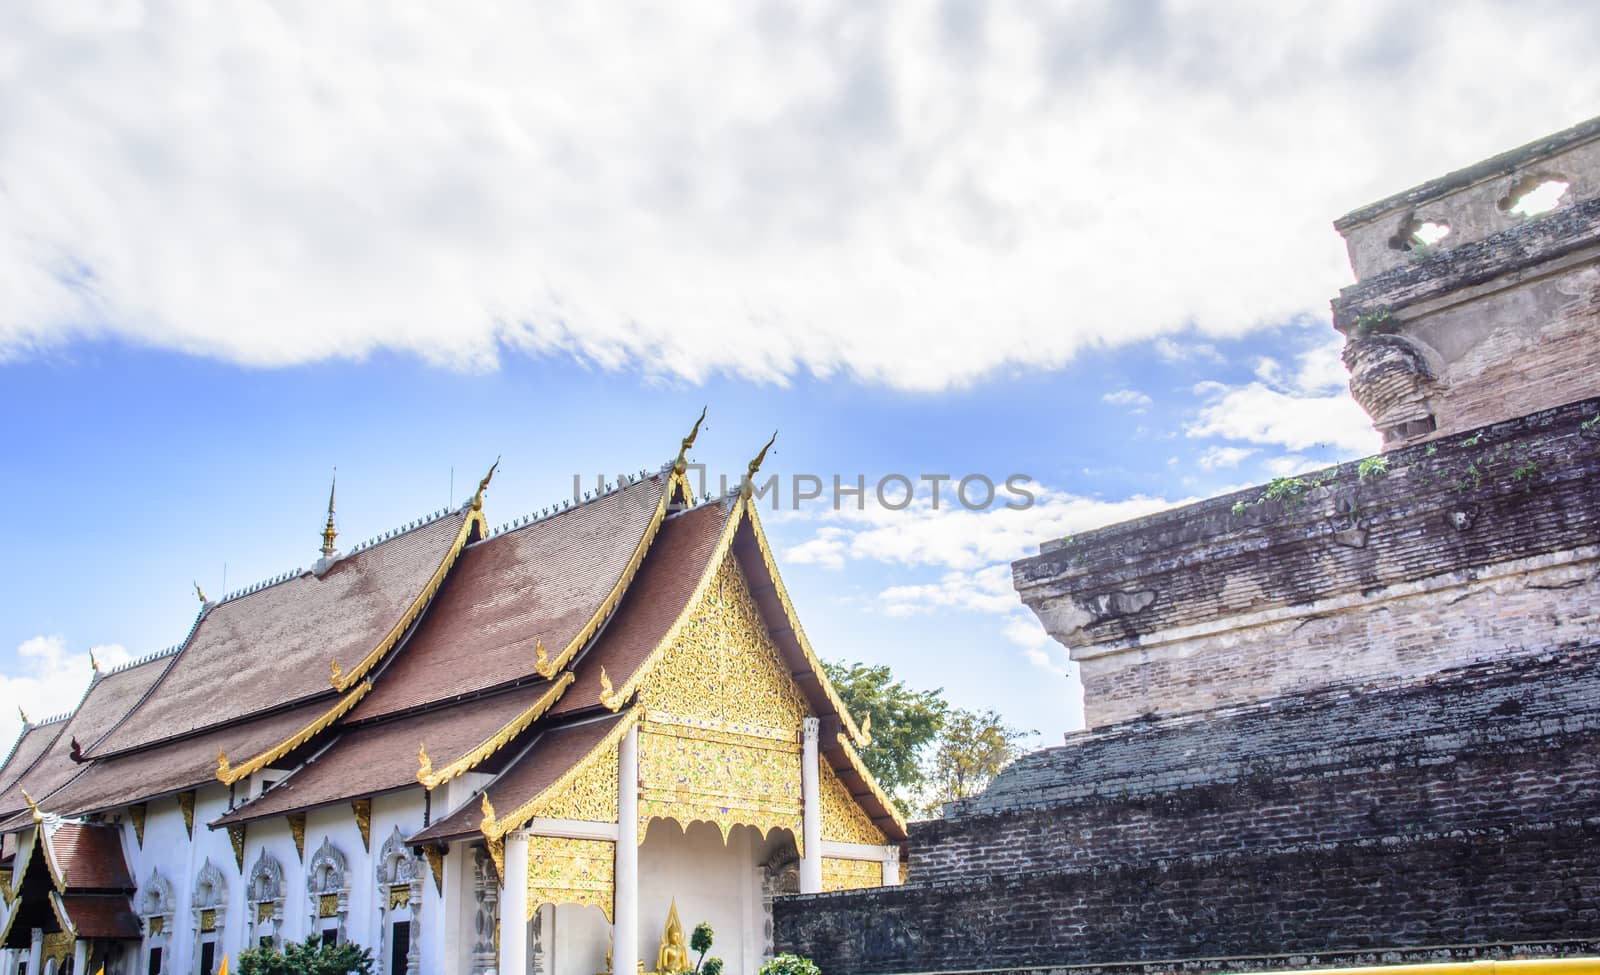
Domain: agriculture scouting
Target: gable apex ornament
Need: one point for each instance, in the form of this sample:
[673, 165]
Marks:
[755, 465]
[681, 463]
[483, 485]
[201, 593]
[541, 660]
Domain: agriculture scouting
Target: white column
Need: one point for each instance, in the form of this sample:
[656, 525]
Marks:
[80, 955]
[514, 907]
[811, 825]
[891, 866]
[625, 905]
[36, 952]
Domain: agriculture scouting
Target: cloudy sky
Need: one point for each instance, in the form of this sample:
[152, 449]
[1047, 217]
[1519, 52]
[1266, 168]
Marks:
[1088, 242]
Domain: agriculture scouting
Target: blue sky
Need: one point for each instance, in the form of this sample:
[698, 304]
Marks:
[1087, 242]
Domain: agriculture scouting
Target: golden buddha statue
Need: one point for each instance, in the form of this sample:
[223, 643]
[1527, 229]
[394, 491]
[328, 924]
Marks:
[674, 954]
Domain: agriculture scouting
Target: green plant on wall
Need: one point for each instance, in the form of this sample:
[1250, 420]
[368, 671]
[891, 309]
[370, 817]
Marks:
[790, 965]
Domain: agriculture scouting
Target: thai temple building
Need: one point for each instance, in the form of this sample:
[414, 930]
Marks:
[522, 751]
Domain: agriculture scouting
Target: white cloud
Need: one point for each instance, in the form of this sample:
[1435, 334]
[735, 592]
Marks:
[1288, 464]
[1128, 397]
[1310, 408]
[51, 681]
[913, 194]
[1219, 457]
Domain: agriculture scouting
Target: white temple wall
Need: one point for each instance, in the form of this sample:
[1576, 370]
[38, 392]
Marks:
[712, 881]
[581, 939]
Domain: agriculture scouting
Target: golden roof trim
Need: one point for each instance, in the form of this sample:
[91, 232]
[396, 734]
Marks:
[518, 817]
[872, 784]
[793, 619]
[431, 779]
[343, 680]
[229, 774]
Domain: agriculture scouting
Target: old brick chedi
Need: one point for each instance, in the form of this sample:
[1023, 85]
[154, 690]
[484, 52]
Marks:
[1348, 718]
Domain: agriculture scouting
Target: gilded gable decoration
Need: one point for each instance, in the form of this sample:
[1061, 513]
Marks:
[843, 819]
[587, 791]
[570, 871]
[297, 829]
[136, 816]
[435, 855]
[236, 837]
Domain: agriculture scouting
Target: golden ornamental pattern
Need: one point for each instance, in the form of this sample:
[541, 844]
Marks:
[590, 795]
[850, 874]
[570, 871]
[843, 819]
[722, 669]
[692, 775]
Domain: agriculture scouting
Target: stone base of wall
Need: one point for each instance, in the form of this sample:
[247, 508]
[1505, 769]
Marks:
[1363, 821]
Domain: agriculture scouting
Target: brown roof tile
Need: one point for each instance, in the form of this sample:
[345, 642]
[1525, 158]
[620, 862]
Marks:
[273, 646]
[101, 916]
[381, 757]
[108, 783]
[680, 555]
[109, 698]
[35, 741]
[542, 582]
[552, 753]
[89, 857]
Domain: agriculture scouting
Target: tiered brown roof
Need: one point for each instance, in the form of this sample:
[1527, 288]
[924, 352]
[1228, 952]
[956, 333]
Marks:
[74, 879]
[274, 646]
[109, 698]
[87, 858]
[174, 766]
[382, 757]
[541, 583]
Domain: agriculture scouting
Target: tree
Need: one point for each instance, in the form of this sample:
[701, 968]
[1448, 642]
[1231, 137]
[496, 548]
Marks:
[310, 957]
[904, 723]
[973, 748]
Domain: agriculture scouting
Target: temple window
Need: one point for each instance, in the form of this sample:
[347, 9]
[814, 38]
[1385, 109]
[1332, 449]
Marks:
[399, 903]
[209, 907]
[154, 904]
[265, 895]
[329, 890]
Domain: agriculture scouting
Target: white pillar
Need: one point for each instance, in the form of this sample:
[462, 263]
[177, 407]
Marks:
[514, 907]
[36, 952]
[80, 955]
[891, 866]
[625, 903]
[811, 824]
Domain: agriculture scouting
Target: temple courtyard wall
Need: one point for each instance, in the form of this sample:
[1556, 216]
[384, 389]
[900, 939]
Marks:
[1451, 816]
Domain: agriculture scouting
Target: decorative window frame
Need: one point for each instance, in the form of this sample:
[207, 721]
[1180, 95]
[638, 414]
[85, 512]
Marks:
[398, 867]
[264, 894]
[486, 923]
[328, 875]
[156, 906]
[210, 895]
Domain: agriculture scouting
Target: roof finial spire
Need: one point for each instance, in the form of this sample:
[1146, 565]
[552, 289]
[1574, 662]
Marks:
[38, 816]
[22, 714]
[755, 465]
[483, 485]
[94, 664]
[680, 464]
[329, 533]
[200, 593]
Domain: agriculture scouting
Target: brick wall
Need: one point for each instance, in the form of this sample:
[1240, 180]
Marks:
[1459, 810]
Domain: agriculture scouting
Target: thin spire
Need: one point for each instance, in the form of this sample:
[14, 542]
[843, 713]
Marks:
[483, 485]
[329, 533]
[201, 593]
[755, 465]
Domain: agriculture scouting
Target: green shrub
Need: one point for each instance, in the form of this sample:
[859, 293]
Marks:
[790, 965]
[310, 957]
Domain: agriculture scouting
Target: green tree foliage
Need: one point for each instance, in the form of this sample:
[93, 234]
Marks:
[310, 957]
[904, 723]
[972, 750]
[701, 941]
[790, 965]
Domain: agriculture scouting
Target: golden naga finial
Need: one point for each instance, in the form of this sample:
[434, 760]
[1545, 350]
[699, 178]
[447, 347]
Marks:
[483, 485]
[224, 769]
[201, 593]
[608, 695]
[94, 664]
[329, 533]
[487, 825]
[681, 463]
[38, 814]
[22, 714]
[541, 660]
[335, 674]
[755, 465]
[424, 765]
